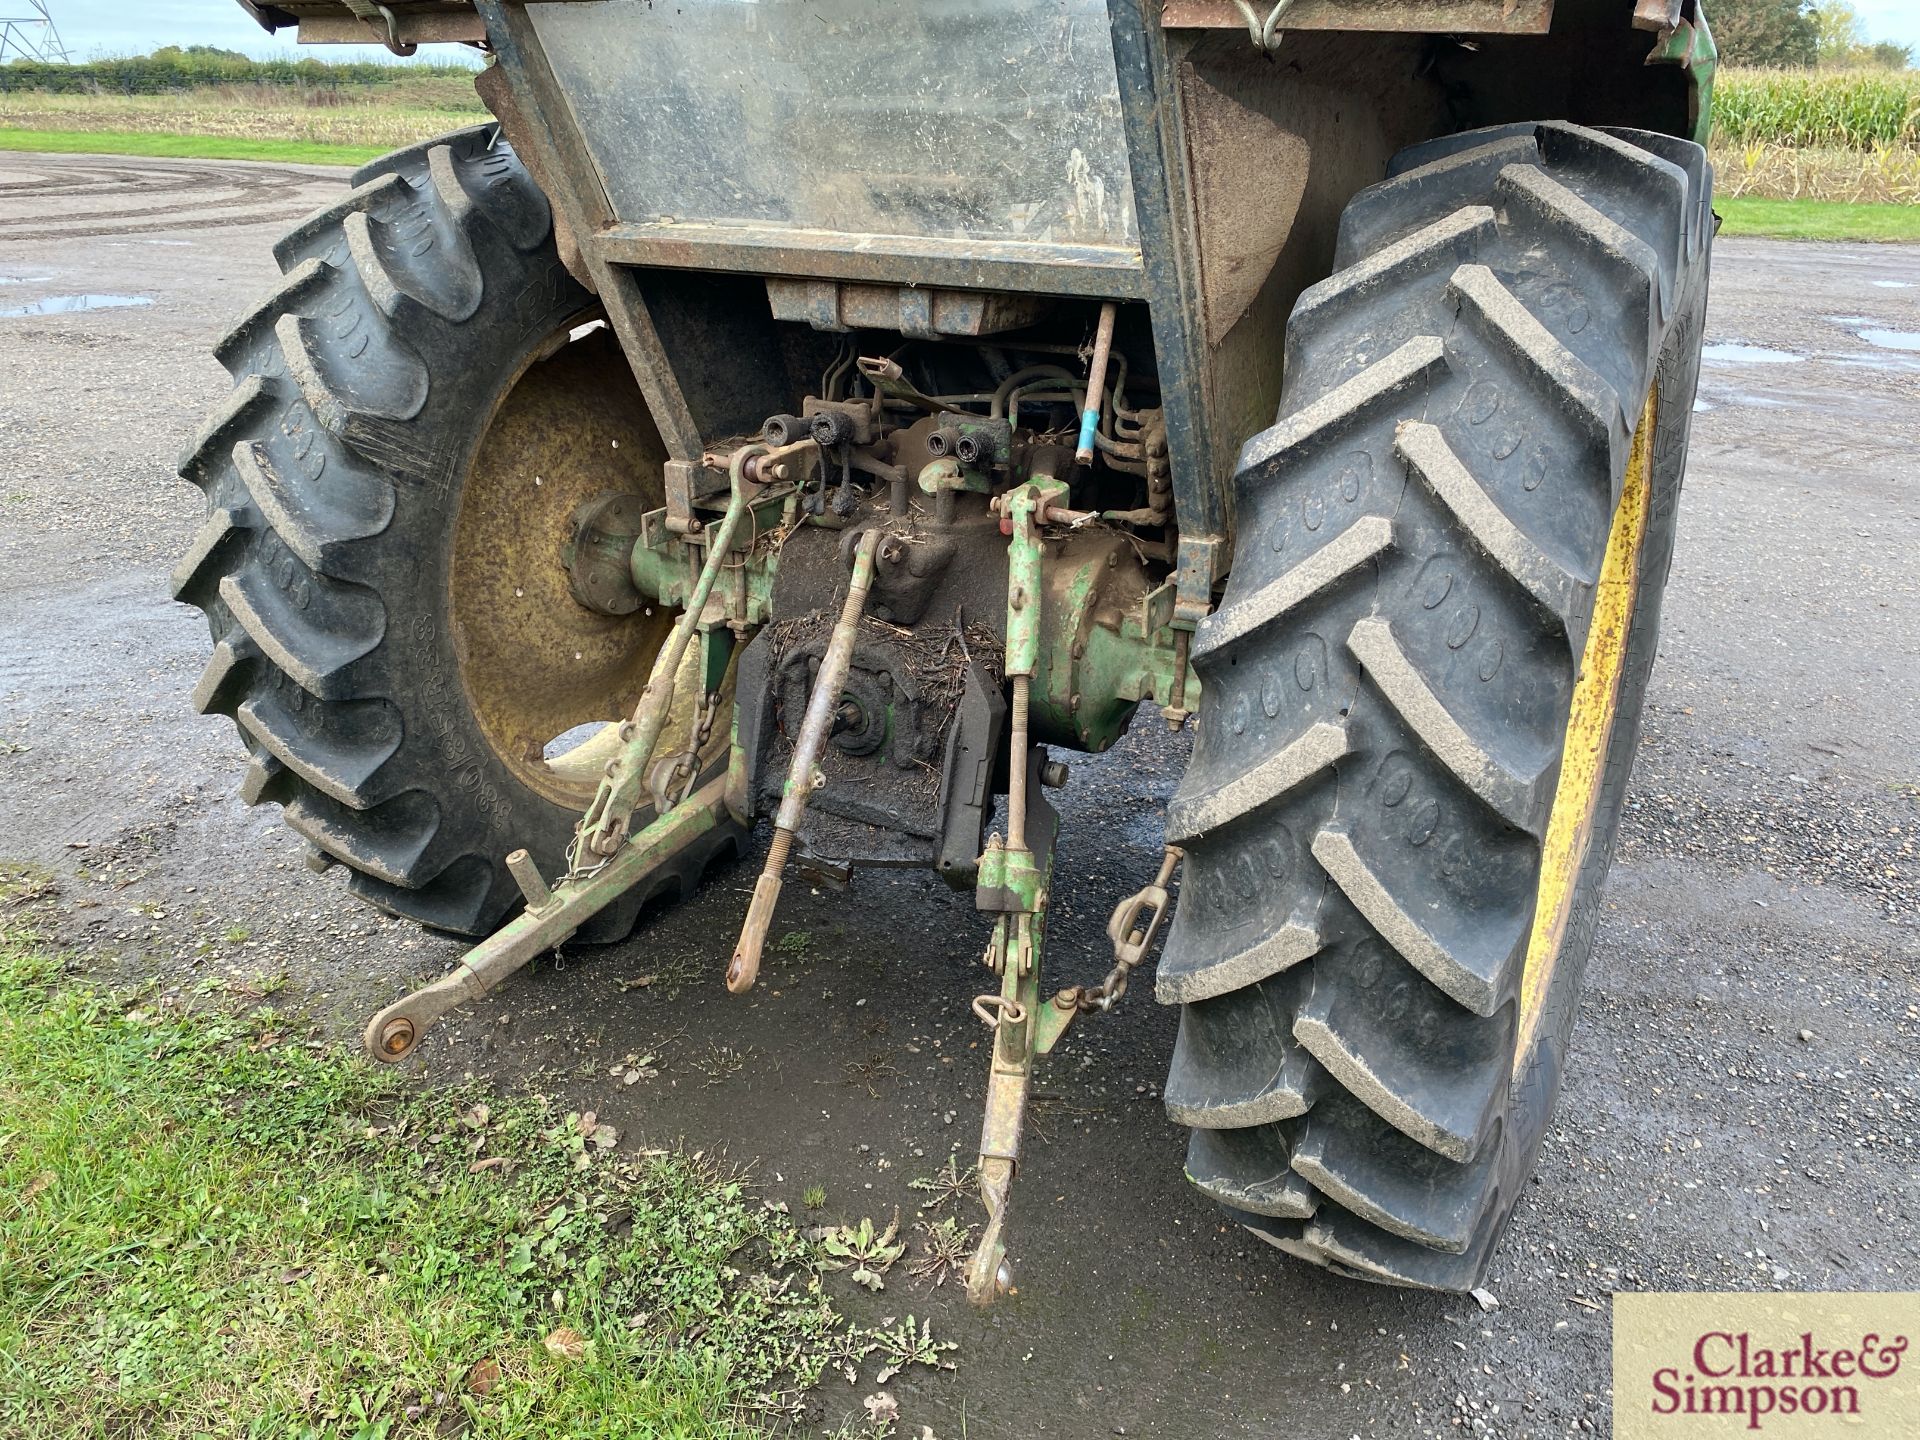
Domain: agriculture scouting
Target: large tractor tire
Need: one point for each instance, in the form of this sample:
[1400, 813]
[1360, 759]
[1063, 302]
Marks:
[420, 410]
[1422, 691]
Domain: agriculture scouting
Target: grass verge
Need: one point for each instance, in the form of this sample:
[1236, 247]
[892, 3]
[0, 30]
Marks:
[188, 147]
[1817, 219]
[212, 1227]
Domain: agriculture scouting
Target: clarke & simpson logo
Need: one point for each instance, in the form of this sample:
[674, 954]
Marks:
[1780, 1365]
[1733, 1375]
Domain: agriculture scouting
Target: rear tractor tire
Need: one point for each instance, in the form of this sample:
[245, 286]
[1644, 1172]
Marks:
[420, 409]
[1422, 691]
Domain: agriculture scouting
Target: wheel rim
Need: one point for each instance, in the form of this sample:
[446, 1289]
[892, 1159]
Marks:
[536, 665]
[1590, 724]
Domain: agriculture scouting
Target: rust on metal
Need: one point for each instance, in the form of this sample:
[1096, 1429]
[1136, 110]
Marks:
[497, 95]
[418, 25]
[1423, 17]
[534, 661]
[805, 776]
[916, 311]
[604, 826]
[395, 1032]
[526, 874]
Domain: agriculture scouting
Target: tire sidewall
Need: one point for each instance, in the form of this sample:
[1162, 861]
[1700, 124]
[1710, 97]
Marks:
[485, 807]
[1537, 1082]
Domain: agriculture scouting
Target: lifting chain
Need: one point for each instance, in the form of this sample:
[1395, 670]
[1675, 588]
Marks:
[1133, 927]
[683, 770]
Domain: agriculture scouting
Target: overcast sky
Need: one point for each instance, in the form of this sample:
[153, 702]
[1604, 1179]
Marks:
[1895, 20]
[133, 27]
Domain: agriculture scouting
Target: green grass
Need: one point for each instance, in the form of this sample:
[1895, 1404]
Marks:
[1818, 219]
[188, 147]
[211, 1226]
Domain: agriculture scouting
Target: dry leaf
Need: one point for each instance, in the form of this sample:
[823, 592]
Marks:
[566, 1343]
[882, 1408]
[490, 1163]
[485, 1374]
[36, 1185]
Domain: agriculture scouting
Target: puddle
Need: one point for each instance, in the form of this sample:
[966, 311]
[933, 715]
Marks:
[1888, 364]
[1740, 400]
[1733, 353]
[1701, 407]
[1877, 332]
[1893, 284]
[66, 304]
[24, 279]
[1892, 339]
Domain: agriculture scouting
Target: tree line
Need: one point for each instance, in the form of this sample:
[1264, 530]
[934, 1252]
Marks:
[173, 67]
[1797, 33]
[1749, 32]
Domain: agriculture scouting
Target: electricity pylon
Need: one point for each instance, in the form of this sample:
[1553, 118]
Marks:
[31, 36]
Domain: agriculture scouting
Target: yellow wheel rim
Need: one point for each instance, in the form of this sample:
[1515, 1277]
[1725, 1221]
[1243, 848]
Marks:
[534, 662]
[1596, 701]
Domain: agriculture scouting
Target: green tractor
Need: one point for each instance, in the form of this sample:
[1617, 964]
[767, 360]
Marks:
[822, 411]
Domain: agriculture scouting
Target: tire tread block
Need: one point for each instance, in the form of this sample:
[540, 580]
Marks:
[1473, 968]
[319, 237]
[1360, 543]
[1391, 1181]
[318, 744]
[1336, 413]
[318, 523]
[315, 654]
[1554, 587]
[420, 260]
[1427, 190]
[1237, 1064]
[1460, 351]
[1191, 815]
[1510, 785]
[1249, 1170]
[389, 842]
[1445, 1097]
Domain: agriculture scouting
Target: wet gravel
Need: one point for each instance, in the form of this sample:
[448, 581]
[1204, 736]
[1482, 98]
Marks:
[1740, 1109]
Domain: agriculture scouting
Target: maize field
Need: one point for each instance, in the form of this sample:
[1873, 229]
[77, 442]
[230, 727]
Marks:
[1818, 134]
